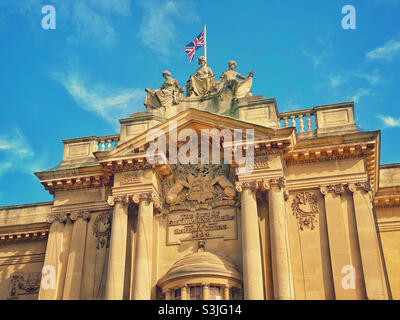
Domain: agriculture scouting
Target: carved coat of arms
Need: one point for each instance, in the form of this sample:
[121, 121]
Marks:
[305, 208]
[200, 186]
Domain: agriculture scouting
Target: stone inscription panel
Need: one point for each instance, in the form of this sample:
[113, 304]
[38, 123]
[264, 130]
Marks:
[202, 224]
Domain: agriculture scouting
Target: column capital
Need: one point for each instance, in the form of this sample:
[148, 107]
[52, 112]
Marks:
[57, 216]
[112, 200]
[337, 188]
[241, 185]
[365, 186]
[274, 182]
[135, 198]
[75, 215]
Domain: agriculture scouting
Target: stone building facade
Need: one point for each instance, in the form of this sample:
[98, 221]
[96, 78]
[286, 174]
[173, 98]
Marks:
[317, 217]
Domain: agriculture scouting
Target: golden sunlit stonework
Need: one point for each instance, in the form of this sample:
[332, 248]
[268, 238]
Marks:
[317, 217]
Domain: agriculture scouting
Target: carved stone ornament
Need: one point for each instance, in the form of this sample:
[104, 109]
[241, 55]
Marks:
[305, 208]
[279, 182]
[85, 215]
[337, 188]
[102, 229]
[57, 216]
[24, 283]
[198, 186]
[261, 162]
[240, 186]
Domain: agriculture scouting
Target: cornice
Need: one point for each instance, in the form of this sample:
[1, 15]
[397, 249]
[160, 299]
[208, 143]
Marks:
[22, 259]
[387, 197]
[316, 182]
[33, 234]
[388, 226]
[74, 178]
[318, 153]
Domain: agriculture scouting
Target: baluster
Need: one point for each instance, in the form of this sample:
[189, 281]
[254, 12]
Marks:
[301, 123]
[285, 122]
[293, 118]
[103, 146]
[109, 147]
[309, 128]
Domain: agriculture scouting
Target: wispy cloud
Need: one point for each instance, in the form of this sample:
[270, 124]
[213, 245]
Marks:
[386, 52]
[17, 154]
[390, 121]
[108, 102]
[373, 77]
[336, 80]
[158, 29]
[316, 58]
[361, 93]
[90, 22]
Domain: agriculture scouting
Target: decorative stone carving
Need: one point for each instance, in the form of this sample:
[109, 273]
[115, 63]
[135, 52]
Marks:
[111, 201]
[102, 229]
[338, 189]
[261, 162]
[201, 186]
[305, 208]
[170, 93]
[324, 190]
[352, 187]
[130, 178]
[365, 186]
[135, 198]
[286, 195]
[80, 214]
[253, 185]
[280, 182]
[57, 216]
[202, 82]
[24, 283]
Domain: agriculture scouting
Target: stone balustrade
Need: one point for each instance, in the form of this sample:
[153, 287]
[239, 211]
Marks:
[80, 150]
[306, 119]
[324, 120]
[106, 143]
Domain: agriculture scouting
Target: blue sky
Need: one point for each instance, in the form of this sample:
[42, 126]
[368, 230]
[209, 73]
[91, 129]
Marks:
[78, 79]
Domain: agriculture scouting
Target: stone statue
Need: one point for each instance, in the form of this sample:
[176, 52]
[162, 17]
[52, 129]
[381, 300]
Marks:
[229, 81]
[202, 82]
[169, 93]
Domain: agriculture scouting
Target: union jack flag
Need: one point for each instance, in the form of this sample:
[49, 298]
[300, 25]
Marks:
[193, 46]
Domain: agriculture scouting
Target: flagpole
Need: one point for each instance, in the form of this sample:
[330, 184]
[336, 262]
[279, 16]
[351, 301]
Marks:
[205, 42]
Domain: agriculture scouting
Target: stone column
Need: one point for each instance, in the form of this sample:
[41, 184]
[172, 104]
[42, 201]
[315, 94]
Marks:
[168, 294]
[251, 249]
[73, 276]
[51, 283]
[338, 244]
[184, 293]
[371, 256]
[280, 249]
[206, 292]
[226, 293]
[117, 254]
[144, 245]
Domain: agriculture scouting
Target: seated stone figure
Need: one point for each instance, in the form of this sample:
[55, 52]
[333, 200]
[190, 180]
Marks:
[169, 93]
[229, 81]
[202, 82]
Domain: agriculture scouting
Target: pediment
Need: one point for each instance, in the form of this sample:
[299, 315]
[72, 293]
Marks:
[196, 120]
